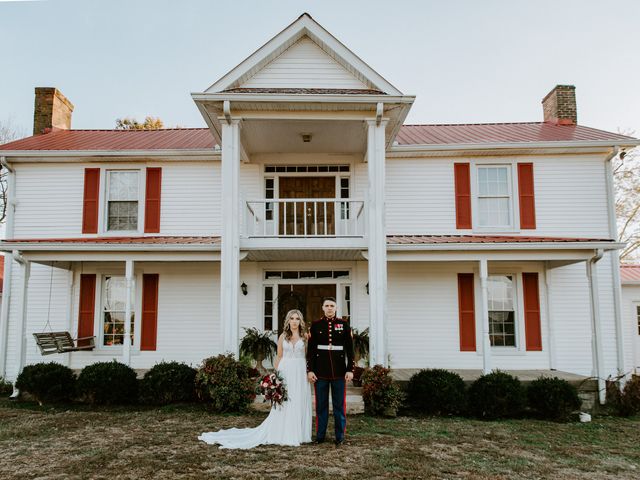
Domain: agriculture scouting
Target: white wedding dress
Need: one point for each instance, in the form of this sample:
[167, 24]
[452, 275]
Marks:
[288, 424]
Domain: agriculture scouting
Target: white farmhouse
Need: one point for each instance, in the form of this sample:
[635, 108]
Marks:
[468, 247]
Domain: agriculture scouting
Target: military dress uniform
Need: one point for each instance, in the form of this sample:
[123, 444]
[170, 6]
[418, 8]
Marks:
[330, 357]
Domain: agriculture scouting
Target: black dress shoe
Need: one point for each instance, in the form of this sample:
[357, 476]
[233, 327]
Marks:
[338, 443]
[318, 441]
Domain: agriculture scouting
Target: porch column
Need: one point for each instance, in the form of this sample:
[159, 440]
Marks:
[22, 328]
[230, 255]
[126, 344]
[548, 310]
[377, 239]
[484, 315]
[596, 329]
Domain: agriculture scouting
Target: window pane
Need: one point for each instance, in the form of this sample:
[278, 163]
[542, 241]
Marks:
[494, 212]
[493, 181]
[123, 186]
[502, 327]
[123, 216]
[113, 311]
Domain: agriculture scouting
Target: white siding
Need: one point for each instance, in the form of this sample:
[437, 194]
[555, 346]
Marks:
[570, 196]
[631, 296]
[304, 65]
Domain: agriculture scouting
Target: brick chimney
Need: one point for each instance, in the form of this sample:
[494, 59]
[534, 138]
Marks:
[559, 105]
[52, 111]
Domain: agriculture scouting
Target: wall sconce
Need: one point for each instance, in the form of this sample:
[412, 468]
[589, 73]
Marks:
[367, 287]
[243, 287]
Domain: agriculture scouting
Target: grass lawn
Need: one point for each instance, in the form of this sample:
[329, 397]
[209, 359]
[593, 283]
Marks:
[140, 443]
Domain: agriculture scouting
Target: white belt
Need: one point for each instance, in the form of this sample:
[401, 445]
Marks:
[330, 347]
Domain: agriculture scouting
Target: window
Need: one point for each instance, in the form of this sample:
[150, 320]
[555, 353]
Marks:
[268, 307]
[494, 196]
[269, 190]
[122, 200]
[114, 291]
[344, 193]
[502, 325]
[347, 302]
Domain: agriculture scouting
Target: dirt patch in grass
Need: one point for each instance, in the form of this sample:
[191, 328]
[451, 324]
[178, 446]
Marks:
[144, 443]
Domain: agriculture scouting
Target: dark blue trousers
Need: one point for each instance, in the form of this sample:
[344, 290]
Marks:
[338, 397]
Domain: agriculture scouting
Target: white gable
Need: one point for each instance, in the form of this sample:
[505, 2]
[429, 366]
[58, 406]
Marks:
[304, 65]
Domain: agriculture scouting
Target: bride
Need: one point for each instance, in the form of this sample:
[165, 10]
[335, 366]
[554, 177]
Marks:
[289, 423]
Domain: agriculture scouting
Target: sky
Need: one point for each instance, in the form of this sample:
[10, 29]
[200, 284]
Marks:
[467, 61]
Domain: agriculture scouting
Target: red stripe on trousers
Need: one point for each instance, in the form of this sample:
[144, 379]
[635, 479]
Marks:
[344, 408]
[315, 389]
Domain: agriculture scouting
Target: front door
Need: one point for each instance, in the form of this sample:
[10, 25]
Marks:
[306, 298]
[307, 218]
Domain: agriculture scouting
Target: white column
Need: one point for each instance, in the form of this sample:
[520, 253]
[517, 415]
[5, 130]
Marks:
[230, 255]
[548, 310]
[8, 264]
[22, 327]
[484, 316]
[129, 282]
[596, 329]
[377, 240]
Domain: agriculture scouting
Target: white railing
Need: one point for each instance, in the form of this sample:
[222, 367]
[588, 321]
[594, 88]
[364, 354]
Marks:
[305, 217]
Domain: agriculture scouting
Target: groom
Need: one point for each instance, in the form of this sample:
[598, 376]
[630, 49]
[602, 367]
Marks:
[330, 366]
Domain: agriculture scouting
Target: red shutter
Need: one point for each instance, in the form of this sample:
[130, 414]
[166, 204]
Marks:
[149, 329]
[152, 203]
[90, 201]
[527, 197]
[86, 309]
[466, 307]
[532, 311]
[463, 194]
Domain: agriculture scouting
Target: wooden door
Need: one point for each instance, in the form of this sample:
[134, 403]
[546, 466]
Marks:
[306, 298]
[296, 216]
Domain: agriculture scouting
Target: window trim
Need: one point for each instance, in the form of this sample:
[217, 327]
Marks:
[103, 213]
[514, 226]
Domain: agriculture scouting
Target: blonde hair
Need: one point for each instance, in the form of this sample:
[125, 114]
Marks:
[287, 325]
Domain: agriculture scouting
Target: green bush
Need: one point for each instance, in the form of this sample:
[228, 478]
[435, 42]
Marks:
[5, 387]
[108, 383]
[224, 383]
[496, 395]
[436, 392]
[626, 402]
[553, 398]
[168, 382]
[47, 382]
[380, 394]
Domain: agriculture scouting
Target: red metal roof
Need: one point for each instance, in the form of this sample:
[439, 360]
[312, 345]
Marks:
[201, 138]
[501, 133]
[630, 273]
[114, 140]
[434, 239]
[167, 240]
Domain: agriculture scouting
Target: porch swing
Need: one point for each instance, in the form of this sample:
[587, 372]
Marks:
[59, 342]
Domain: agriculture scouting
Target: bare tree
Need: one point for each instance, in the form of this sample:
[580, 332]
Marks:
[626, 175]
[8, 133]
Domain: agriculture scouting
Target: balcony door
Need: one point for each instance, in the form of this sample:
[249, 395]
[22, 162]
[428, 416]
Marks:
[307, 218]
[306, 298]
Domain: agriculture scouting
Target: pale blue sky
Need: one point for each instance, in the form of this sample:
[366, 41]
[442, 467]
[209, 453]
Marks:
[467, 61]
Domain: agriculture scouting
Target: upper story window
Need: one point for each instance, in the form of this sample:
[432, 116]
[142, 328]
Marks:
[122, 200]
[502, 321]
[494, 196]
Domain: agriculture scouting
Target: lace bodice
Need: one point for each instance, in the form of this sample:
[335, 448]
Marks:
[293, 351]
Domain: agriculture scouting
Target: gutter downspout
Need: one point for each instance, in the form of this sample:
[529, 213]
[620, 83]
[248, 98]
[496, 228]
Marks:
[8, 267]
[615, 265]
[22, 326]
[596, 330]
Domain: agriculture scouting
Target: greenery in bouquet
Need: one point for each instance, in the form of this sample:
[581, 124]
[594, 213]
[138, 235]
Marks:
[273, 388]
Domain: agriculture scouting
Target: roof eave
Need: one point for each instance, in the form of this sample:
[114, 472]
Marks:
[509, 246]
[74, 155]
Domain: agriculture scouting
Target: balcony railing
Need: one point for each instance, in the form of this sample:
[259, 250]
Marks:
[305, 217]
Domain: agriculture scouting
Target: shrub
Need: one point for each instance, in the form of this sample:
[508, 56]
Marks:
[436, 392]
[168, 382]
[224, 383]
[108, 383]
[47, 382]
[5, 387]
[496, 395]
[553, 398]
[381, 396]
[627, 401]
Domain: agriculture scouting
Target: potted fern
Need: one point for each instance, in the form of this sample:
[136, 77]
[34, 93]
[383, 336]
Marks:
[360, 351]
[258, 345]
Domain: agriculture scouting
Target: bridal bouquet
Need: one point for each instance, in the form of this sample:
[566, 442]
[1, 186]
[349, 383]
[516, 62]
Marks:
[273, 388]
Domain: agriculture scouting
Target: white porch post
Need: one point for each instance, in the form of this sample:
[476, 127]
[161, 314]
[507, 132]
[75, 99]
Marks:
[548, 310]
[8, 264]
[484, 315]
[596, 330]
[230, 255]
[126, 343]
[377, 240]
[22, 328]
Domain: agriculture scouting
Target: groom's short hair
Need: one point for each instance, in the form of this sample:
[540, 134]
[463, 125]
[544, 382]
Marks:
[330, 299]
